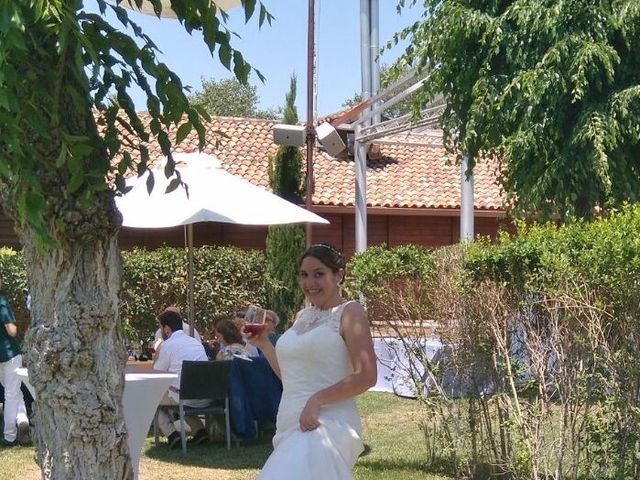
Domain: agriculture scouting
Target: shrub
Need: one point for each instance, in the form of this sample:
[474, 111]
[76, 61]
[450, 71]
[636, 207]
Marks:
[542, 328]
[226, 279]
[285, 245]
[14, 284]
[392, 280]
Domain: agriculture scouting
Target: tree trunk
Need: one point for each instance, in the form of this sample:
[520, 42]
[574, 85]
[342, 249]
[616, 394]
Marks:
[74, 351]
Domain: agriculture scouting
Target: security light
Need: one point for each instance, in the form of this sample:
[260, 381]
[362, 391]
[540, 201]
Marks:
[290, 135]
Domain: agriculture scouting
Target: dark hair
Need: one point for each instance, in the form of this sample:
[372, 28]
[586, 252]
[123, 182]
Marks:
[229, 332]
[327, 254]
[172, 319]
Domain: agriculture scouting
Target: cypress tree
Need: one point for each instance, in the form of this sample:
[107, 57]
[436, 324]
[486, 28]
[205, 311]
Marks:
[286, 243]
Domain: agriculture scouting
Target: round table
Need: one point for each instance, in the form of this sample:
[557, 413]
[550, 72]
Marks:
[142, 394]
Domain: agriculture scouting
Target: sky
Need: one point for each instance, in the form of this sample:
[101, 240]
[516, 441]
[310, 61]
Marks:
[280, 50]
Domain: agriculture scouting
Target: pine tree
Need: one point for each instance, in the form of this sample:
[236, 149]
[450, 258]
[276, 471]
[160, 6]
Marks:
[286, 243]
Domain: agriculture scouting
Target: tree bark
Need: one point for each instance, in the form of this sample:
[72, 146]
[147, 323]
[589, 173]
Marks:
[74, 351]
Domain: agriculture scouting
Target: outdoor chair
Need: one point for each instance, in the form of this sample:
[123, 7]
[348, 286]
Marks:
[203, 380]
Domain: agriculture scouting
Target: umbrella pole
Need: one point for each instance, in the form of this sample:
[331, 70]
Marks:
[192, 325]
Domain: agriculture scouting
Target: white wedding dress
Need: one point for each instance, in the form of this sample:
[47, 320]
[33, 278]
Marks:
[312, 356]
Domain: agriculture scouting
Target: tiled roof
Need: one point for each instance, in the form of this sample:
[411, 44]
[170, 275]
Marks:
[412, 171]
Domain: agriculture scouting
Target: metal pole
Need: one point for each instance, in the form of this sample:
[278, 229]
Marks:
[466, 202]
[311, 136]
[361, 194]
[365, 44]
[361, 149]
[192, 325]
[374, 52]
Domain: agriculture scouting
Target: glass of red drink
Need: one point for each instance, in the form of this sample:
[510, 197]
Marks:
[254, 320]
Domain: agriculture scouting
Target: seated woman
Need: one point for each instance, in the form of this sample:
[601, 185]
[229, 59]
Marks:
[232, 342]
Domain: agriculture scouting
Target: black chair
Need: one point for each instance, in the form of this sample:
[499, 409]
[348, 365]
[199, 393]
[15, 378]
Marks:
[204, 380]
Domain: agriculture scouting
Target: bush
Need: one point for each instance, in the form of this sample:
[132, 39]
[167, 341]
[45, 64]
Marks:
[544, 327]
[14, 284]
[226, 279]
[285, 245]
[544, 345]
[395, 284]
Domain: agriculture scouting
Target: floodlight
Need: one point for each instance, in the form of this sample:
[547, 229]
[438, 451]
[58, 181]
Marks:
[330, 139]
[290, 135]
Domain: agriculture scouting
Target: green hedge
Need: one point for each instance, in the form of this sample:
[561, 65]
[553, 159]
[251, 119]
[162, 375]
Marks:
[14, 284]
[368, 269]
[226, 279]
[381, 274]
[604, 254]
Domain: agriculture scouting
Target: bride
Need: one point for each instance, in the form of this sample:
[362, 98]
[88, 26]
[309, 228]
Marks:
[324, 360]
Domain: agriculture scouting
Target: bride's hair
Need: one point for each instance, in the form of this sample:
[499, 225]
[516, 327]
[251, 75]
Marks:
[327, 254]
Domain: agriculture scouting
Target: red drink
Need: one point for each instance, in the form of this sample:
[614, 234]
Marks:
[254, 328]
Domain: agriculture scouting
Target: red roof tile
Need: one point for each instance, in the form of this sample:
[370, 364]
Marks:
[414, 170]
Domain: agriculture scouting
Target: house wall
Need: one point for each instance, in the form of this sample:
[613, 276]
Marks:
[427, 230]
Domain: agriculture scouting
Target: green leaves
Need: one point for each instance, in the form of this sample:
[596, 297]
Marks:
[227, 98]
[224, 54]
[183, 131]
[249, 8]
[241, 68]
[227, 279]
[539, 82]
[65, 110]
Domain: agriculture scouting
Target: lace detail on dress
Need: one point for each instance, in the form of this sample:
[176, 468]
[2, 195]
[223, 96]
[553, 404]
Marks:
[311, 317]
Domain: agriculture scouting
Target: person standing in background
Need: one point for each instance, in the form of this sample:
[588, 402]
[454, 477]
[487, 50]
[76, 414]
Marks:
[16, 422]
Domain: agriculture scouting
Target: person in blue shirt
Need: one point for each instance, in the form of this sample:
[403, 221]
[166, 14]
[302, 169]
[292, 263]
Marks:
[16, 423]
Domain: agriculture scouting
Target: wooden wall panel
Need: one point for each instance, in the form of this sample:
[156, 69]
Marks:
[151, 238]
[377, 232]
[486, 227]
[244, 236]
[427, 231]
[208, 233]
[483, 226]
[377, 229]
[332, 233]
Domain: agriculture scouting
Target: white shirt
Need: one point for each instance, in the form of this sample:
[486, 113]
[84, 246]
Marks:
[174, 350]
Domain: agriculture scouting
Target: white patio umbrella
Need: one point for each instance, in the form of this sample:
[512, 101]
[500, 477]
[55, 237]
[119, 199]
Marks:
[214, 195]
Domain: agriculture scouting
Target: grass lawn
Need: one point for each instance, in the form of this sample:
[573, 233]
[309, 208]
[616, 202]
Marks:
[395, 451]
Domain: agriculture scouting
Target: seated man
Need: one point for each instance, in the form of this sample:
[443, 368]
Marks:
[185, 327]
[177, 347]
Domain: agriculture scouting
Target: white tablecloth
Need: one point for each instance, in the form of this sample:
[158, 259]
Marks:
[400, 373]
[142, 394]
